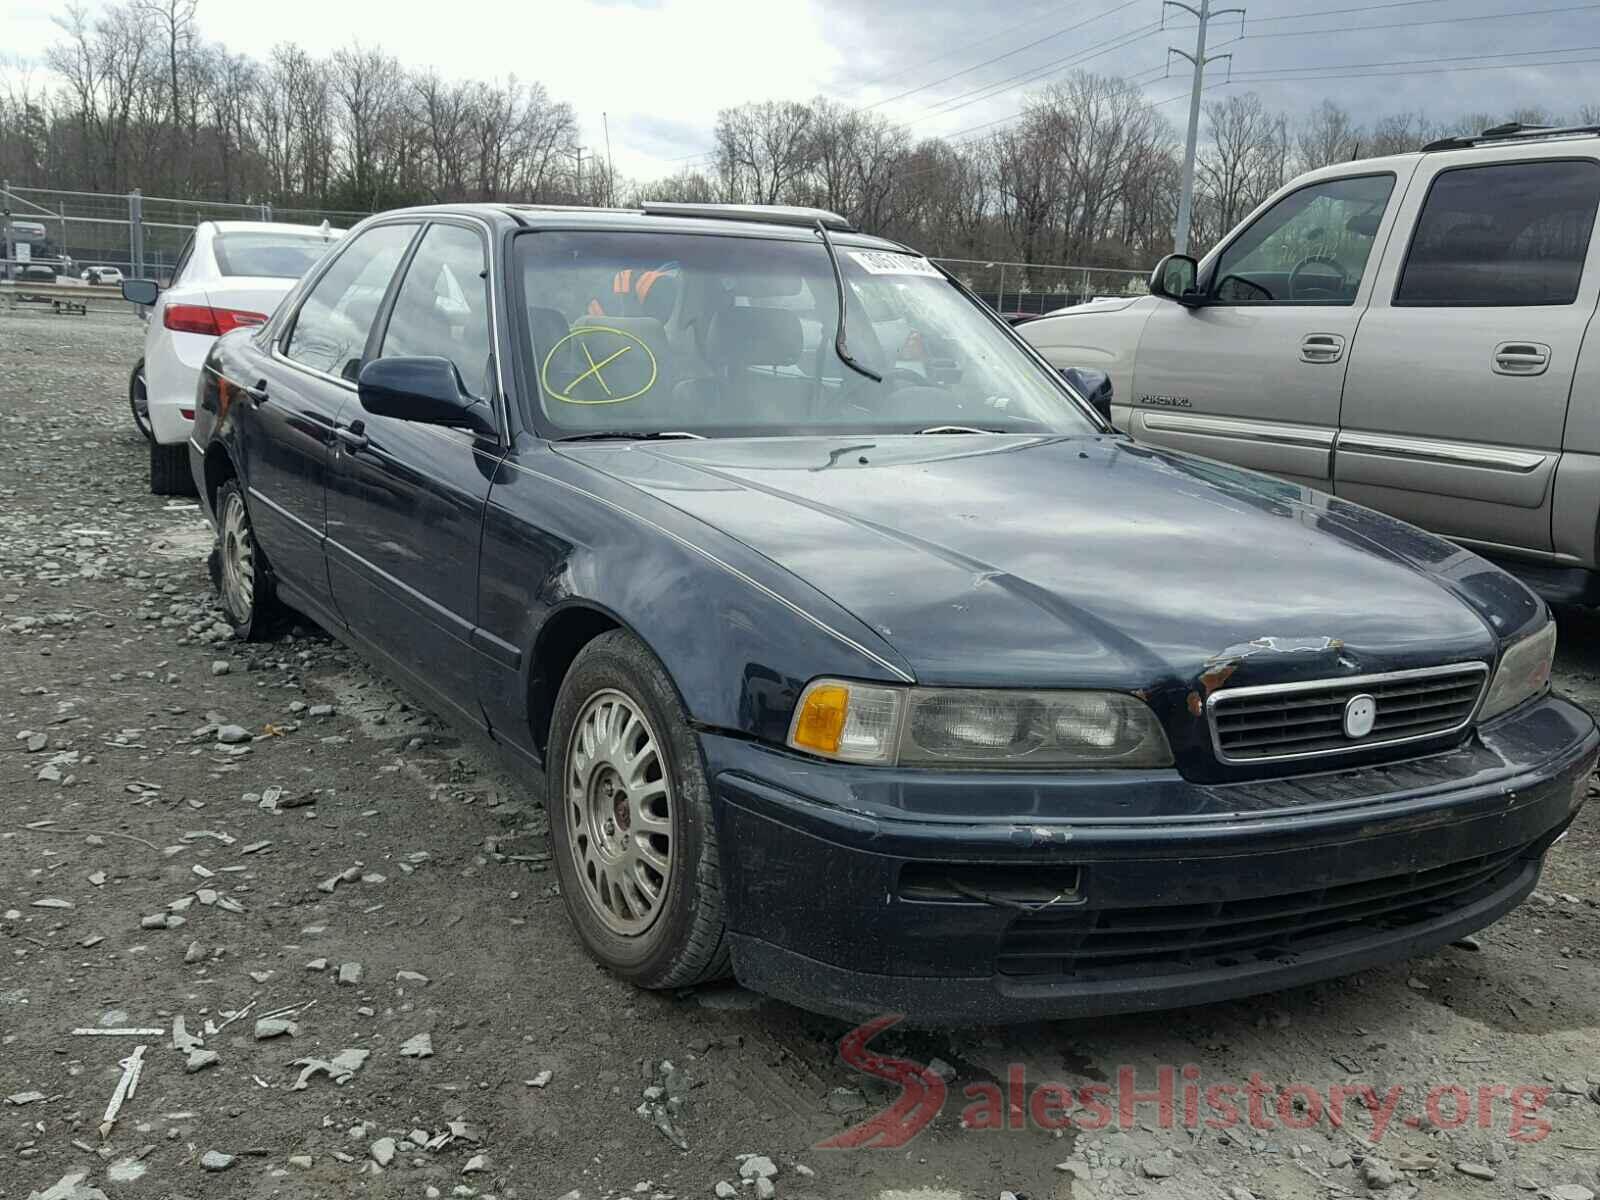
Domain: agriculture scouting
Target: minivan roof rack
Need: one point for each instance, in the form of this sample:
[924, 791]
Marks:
[765, 214]
[1509, 132]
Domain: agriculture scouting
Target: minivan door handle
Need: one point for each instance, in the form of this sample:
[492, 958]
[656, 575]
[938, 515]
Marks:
[1321, 348]
[1521, 358]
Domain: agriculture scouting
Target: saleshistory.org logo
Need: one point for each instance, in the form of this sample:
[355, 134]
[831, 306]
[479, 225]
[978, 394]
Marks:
[1178, 1098]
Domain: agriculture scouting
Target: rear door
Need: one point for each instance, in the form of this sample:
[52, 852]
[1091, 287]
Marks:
[1254, 375]
[405, 499]
[309, 377]
[1457, 396]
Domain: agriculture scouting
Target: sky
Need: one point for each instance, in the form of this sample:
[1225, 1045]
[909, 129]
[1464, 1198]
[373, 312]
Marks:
[660, 69]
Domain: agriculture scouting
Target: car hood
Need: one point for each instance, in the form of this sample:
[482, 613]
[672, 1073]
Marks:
[1084, 561]
[1100, 304]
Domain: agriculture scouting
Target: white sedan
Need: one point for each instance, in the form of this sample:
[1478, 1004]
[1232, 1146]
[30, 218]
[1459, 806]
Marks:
[95, 275]
[229, 273]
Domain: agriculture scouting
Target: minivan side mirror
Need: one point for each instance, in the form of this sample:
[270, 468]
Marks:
[424, 389]
[1094, 386]
[1174, 279]
[140, 291]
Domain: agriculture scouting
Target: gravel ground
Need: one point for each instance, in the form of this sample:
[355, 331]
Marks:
[350, 911]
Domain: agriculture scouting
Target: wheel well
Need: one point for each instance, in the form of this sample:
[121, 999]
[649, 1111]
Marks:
[219, 469]
[562, 637]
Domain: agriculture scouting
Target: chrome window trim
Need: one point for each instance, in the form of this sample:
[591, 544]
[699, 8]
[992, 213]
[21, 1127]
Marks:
[1455, 454]
[810, 618]
[1253, 431]
[1223, 695]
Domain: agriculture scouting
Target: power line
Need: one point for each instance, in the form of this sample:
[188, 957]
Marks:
[1558, 62]
[1049, 37]
[983, 92]
[1008, 30]
[1451, 20]
[1245, 76]
[1334, 12]
[978, 66]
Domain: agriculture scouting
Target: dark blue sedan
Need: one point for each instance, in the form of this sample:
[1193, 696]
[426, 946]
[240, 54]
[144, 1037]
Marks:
[860, 657]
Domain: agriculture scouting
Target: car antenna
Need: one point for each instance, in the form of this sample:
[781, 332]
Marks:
[840, 343]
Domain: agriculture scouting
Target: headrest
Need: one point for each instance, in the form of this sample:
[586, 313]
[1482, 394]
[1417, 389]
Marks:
[748, 337]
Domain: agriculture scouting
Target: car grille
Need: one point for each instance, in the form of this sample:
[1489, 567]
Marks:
[1126, 942]
[1256, 724]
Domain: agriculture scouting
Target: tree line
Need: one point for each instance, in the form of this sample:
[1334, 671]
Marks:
[1088, 173]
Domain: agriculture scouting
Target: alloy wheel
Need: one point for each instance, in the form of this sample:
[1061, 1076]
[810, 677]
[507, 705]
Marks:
[139, 400]
[238, 559]
[619, 813]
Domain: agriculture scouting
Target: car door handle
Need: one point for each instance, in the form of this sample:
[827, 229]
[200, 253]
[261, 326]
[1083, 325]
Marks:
[257, 393]
[1321, 348]
[1521, 358]
[352, 435]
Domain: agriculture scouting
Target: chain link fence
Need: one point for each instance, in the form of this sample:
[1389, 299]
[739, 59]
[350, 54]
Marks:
[1033, 288]
[139, 235]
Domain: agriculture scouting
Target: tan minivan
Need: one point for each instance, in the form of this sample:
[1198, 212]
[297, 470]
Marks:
[1407, 332]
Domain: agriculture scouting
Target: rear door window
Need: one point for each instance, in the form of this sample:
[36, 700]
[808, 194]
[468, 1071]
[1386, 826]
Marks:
[1504, 235]
[330, 331]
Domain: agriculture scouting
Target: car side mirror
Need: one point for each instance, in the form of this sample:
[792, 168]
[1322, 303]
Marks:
[1094, 386]
[1174, 279]
[140, 291]
[424, 389]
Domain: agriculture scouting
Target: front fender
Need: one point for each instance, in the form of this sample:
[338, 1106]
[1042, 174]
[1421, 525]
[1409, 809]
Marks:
[1095, 337]
[739, 635]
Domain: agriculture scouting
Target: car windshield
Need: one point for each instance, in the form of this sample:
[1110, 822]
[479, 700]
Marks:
[268, 255]
[734, 336]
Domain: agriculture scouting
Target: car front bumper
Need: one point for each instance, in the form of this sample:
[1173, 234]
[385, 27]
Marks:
[850, 890]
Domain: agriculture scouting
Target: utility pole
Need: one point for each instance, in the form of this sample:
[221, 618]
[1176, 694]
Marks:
[580, 174]
[1204, 15]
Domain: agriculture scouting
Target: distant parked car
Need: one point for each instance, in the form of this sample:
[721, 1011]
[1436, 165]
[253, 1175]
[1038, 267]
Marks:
[229, 273]
[97, 275]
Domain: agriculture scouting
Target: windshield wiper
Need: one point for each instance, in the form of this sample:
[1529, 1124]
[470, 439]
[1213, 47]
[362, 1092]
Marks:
[624, 435]
[957, 429]
[840, 344]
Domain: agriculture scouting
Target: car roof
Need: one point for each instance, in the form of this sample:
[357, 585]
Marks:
[736, 220]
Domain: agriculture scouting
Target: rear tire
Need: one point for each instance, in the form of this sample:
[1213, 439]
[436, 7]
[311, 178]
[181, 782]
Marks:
[631, 829]
[139, 402]
[239, 570]
[169, 470]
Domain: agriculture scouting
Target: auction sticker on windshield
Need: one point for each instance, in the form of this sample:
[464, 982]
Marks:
[884, 262]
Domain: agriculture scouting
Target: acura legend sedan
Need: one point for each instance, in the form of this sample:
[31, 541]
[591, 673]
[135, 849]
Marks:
[860, 658]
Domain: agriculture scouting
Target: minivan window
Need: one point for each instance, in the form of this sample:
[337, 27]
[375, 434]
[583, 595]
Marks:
[330, 332]
[442, 307]
[1505, 235]
[1311, 247]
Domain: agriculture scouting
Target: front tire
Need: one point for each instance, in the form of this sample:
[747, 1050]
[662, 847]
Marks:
[631, 829]
[238, 569]
[169, 470]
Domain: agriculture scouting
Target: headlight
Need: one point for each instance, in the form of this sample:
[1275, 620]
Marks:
[1523, 673]
[970, 727]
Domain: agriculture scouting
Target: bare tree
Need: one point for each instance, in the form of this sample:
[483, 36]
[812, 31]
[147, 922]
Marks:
[763, 149]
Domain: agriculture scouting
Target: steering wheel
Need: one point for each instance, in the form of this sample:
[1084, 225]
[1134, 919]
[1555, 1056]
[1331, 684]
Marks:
[1326, 260]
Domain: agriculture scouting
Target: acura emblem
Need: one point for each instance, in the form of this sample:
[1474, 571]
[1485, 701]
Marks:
[1360, 715]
